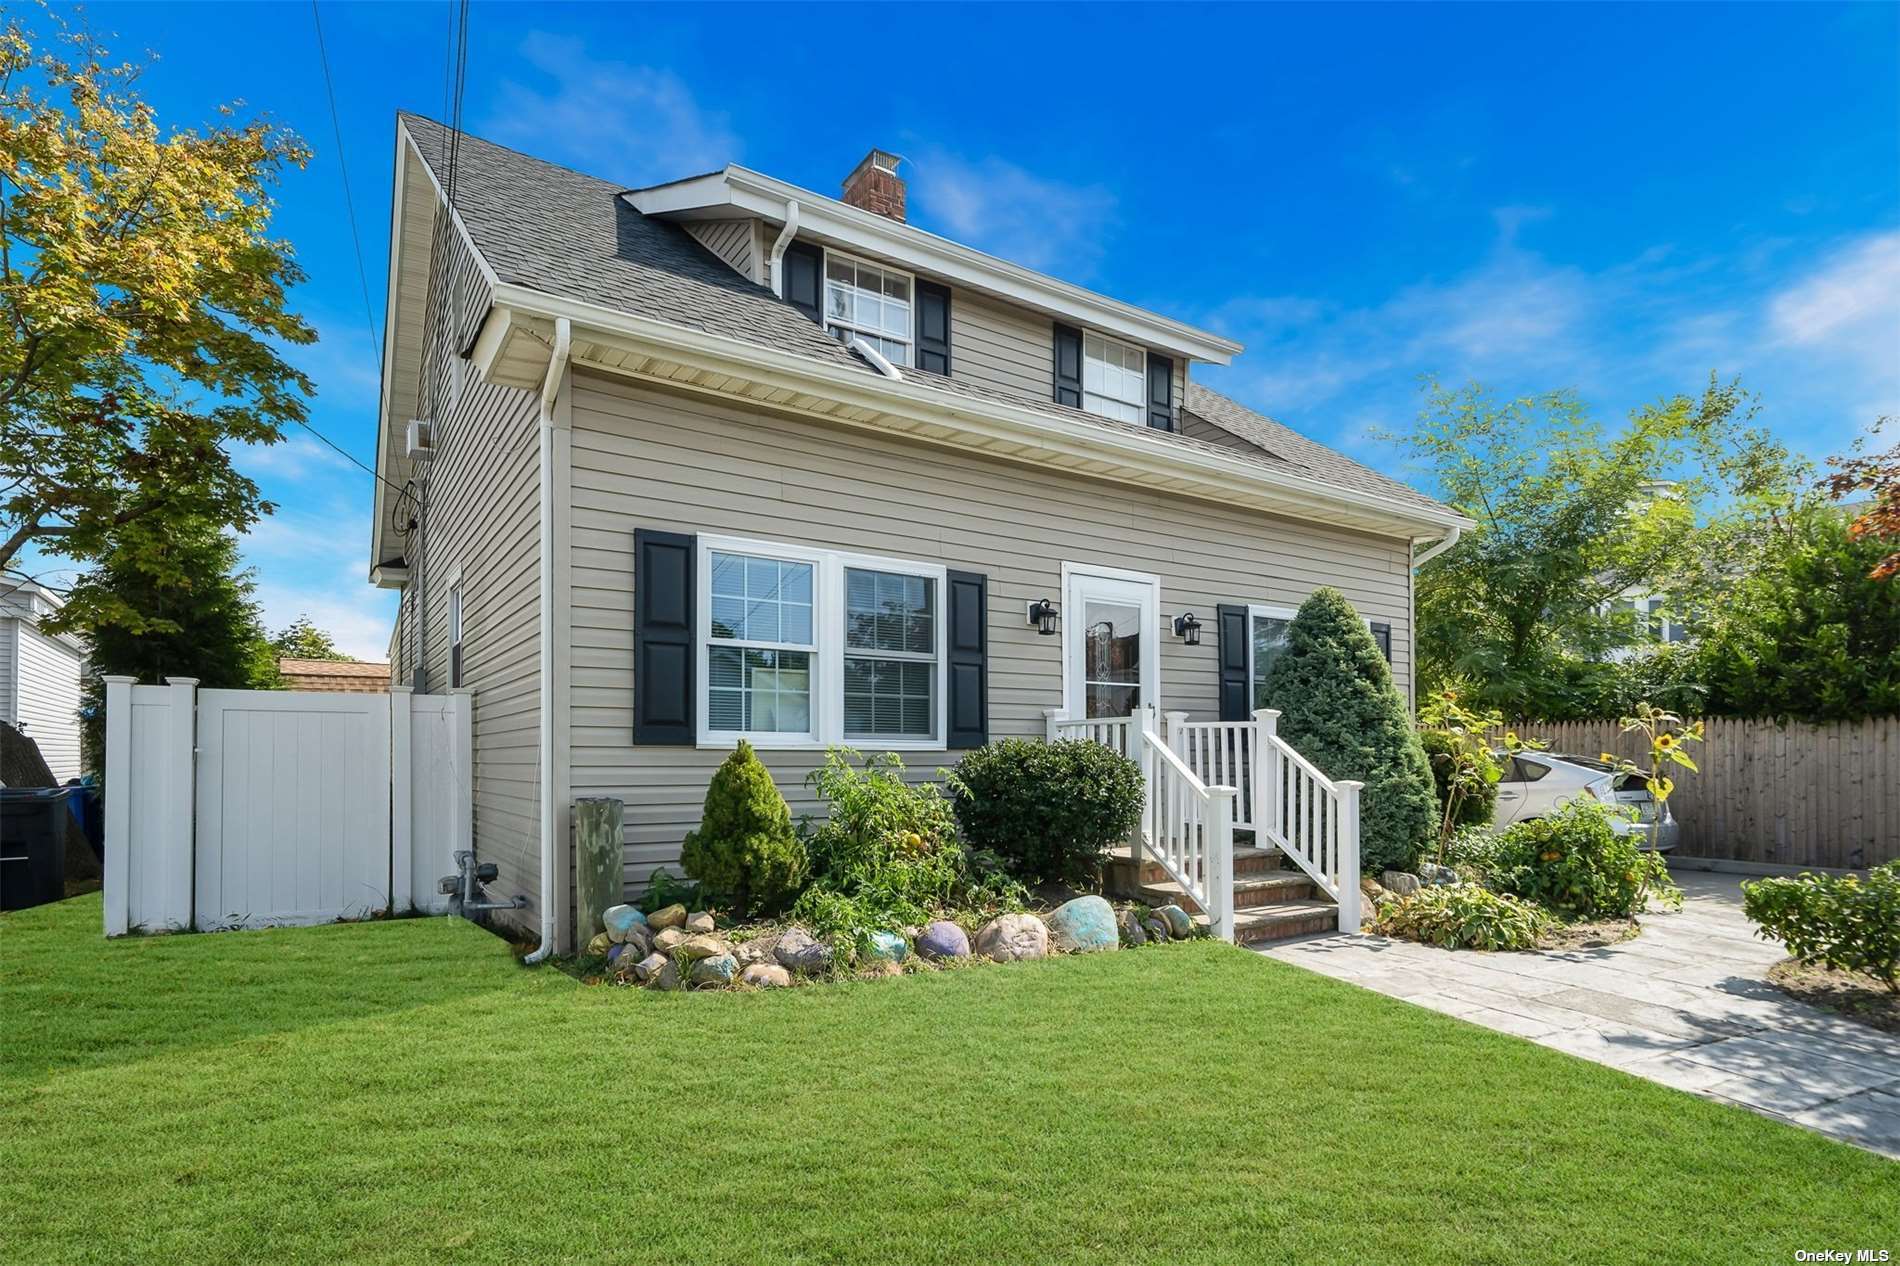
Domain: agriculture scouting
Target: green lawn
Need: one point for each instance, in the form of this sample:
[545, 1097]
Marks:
[404, 1091]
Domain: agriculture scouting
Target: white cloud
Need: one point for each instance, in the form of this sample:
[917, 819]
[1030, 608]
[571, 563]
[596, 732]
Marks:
[312, 562]
[637, 124]
[299, 456]
[1011, 212]
[1848, 307]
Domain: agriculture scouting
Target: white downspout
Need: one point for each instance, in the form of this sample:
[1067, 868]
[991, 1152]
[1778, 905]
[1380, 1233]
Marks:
[784, 239]
[550, 817]
[1450, 539]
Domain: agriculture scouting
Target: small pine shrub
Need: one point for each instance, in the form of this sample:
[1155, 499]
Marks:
[745, 847]
[1051, 811]
[1841, 922]
[1573, 864]
[1463, 916]
[1340, 710]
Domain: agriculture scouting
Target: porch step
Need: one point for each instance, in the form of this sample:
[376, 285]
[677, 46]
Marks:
[1272, 888]
[1278, 922]
[1248, 862]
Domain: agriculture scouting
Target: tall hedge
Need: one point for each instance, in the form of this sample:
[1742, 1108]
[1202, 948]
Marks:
[1340, 710]
[745, 847]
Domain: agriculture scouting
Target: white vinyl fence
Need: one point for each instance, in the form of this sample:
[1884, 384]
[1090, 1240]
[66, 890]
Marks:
[248, 808]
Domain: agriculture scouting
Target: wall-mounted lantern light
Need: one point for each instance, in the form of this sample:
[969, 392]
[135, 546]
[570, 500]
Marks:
[1188, 629]
[1042, 614]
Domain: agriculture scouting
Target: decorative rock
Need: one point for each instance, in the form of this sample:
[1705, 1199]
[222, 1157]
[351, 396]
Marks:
[883, 967]
[703, 947]
[943, 939]
[699, 921]
[797, 951]
[1083, 926]
[615, 953]
[1372, 891]
[668, 976]
[1009, 937]
[1180, 924]
[599, 945]
[766, 976]
[639, 941]
[1128, 923]
[666, 938]
[756, 950]
[716, 970]
[671, 917]
[620, 920]
[1400, 882]
[887, 947]
[1157, 929]
[1437, 876]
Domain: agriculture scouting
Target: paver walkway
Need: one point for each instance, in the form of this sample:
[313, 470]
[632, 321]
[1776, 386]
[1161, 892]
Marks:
[1685, 1004]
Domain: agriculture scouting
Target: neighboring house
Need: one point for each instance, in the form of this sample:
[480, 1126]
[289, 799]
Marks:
[40, 674]
[724, 457]
[349, 675]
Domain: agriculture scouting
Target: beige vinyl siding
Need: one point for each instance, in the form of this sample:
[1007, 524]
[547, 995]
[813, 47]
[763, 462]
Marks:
[1001, 346]
[1198, 428]
[734, 241]
[643, 457]
[483, 523]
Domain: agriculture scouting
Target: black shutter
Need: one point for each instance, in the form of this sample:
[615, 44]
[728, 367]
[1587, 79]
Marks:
[967, 721]
[933, 327]
[1382, 634]
[1160, 392]
[1235, 641]
[664, 655]
[1068, 366]
[804, 266]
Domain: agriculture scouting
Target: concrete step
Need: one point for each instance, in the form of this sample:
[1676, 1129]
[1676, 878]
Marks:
[1250, 891]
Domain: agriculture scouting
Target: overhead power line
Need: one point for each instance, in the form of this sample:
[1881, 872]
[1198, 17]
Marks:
[349, 199]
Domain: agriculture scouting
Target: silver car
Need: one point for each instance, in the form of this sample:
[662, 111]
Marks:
[1535, 783]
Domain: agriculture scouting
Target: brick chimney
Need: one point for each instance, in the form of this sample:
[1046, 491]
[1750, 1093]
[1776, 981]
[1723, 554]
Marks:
[875, 186]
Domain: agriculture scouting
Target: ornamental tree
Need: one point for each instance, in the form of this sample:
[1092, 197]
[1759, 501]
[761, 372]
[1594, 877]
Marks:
[144, 304]
[1342, 711]
[745, 847]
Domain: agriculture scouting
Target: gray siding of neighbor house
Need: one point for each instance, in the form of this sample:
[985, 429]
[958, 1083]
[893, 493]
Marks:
[483, 522]
[643, 457]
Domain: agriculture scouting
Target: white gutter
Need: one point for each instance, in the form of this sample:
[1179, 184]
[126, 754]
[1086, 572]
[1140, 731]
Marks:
[784, 239]
[550, 816]
[1450, 539]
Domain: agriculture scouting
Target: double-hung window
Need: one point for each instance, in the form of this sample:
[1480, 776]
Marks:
[803, 647]
[1114, 379]
[455, 632]
[870, 302]
[1267, 634]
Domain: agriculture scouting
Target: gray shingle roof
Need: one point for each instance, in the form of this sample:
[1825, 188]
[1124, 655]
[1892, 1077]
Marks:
[1313, 459]
[548, 228]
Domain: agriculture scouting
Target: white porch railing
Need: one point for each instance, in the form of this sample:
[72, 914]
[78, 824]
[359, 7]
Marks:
[1270, 789]
[1187, 827]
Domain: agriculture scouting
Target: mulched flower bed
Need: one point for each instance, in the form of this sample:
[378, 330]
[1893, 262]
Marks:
[1853, 994]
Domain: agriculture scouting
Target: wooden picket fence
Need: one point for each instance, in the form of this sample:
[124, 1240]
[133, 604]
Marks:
[1790, 795]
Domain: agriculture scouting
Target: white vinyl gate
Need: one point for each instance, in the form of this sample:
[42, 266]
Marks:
[246, 808]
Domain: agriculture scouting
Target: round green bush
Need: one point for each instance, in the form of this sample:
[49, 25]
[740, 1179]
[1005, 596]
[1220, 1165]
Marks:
[1050, 811]
[745, 847]
[1340, 710]
[1572, 863]
[1844, 922]
[1478, 807]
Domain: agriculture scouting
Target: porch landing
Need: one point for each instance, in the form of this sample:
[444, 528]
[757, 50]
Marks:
[1273, 899]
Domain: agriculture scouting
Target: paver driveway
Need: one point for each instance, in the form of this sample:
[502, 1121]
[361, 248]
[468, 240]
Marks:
[1686, 1004]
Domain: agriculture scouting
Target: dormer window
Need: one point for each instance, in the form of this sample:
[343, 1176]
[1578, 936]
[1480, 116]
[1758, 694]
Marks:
[870, 302]
[1114, 379]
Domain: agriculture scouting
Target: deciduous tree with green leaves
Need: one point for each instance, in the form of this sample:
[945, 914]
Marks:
[144, 303]
[302, 639]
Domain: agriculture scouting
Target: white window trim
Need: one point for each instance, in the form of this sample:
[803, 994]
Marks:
[1141, 406]
[824, 284]
[1268, 611]
[1151, 672]
[455, 623]
[827, 649]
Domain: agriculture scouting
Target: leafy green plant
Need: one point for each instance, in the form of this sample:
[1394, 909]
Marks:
[1573, 863]
[1051, 811]
[1474, 852]
[1341, 711]
[745, 847]
[1463, 916]
[888, 854]
[664, 889]
[1842, 922]
[1464, 763]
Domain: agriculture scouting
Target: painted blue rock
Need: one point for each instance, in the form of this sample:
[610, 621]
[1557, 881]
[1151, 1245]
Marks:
[615, 953]
[717, 970]
[621, 920]
[943, 939]
[1179, 922]
[887, 947]
[1084, 925]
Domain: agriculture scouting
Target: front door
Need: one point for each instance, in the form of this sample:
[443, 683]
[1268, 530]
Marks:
[1111, 620]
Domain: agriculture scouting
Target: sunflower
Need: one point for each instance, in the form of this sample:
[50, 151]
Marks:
[1665, 741]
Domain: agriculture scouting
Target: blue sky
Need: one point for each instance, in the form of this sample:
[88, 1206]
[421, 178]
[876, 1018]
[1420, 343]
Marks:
[1614, 199]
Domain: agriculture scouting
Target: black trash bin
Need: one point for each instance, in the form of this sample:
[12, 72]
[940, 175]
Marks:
[33, 823]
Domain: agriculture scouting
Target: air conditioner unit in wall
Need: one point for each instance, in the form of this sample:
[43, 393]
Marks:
[421, 440]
